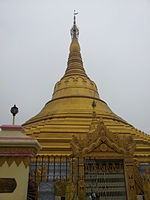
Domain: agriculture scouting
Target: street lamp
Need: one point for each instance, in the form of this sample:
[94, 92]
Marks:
[14, 111]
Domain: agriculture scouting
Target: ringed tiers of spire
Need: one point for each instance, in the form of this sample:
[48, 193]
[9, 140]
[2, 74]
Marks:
[75, 64]
[75, 81]
[69, 112]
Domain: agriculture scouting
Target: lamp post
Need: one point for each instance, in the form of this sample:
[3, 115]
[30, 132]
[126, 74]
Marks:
[14, 111]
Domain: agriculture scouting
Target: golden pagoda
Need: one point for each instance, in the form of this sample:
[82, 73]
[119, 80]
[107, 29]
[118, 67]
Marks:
[77, 122]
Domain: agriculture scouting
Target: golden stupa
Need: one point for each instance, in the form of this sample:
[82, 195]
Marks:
[70, 112]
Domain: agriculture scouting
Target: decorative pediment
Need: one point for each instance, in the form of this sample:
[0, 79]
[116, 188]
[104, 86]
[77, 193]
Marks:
[103, 144]
[100, 139]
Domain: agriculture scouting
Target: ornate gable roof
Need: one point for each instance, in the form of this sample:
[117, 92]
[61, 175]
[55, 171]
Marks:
[100, 139]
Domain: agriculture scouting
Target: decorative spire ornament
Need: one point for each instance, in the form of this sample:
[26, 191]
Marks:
[74, 30]
[94, 117]
[94, 106]
[75, 64]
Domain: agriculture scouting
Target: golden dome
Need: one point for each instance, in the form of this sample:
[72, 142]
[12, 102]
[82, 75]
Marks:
[69, 112]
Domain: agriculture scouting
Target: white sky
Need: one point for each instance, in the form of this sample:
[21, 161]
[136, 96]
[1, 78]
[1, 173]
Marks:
[115, 47]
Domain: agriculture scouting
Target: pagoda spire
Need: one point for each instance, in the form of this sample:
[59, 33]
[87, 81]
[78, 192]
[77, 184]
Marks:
[74, 64]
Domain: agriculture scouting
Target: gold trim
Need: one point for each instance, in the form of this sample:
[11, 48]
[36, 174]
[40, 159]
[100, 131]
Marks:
[17, 160]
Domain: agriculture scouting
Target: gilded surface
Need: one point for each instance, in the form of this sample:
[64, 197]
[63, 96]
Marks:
[130, 179]
[60, 188]
[70, 113]
[64, 127]
[146, 185]
[101, 139]
[16, 159]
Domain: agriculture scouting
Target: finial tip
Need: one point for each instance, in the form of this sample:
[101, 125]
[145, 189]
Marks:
[75, 13]
[74, 30]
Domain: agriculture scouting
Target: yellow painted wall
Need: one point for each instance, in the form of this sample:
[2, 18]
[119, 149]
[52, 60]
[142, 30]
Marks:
[20, 173]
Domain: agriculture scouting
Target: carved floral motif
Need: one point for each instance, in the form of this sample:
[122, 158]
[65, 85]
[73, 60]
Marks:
[100, 136]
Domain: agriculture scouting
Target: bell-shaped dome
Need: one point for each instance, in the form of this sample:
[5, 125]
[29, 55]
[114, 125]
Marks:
[75, 92]
[70, 110]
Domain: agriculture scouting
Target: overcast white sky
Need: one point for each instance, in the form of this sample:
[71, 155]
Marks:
[115, 47]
